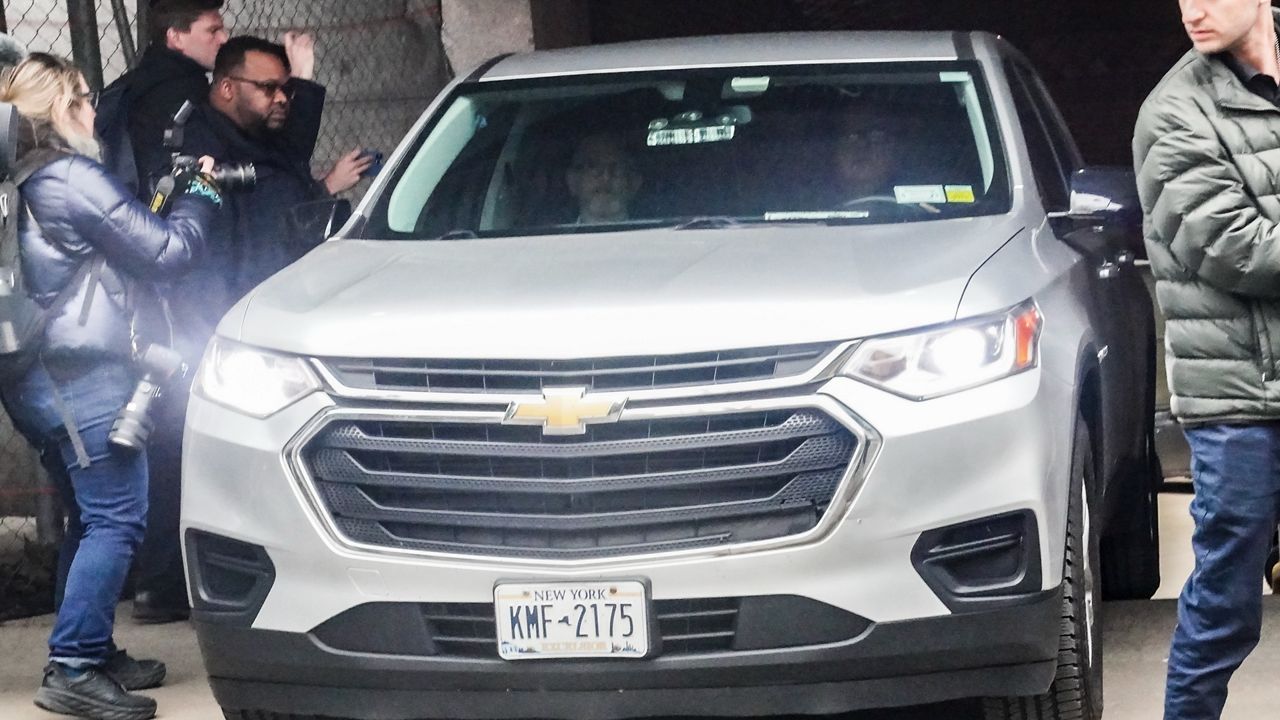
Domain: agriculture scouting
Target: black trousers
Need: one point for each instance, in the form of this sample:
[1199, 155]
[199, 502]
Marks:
[158, 566]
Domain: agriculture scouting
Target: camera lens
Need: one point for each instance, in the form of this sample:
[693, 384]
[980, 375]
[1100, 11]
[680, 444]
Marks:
[133, 425]
[235, 178]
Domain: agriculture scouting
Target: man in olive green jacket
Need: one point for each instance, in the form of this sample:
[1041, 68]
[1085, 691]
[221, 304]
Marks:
[1207, 151]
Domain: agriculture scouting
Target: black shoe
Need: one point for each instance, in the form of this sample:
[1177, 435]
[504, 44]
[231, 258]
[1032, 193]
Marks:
[149, 610]
[92, 695]
[134, 674]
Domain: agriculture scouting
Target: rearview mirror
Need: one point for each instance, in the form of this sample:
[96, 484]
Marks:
[311, 223]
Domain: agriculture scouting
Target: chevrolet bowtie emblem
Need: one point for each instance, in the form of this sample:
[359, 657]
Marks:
[563, 411]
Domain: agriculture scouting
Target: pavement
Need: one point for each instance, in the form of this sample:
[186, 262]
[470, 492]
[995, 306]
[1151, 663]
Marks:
[1135, 637]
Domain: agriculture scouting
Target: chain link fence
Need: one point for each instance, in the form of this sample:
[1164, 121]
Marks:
[381, 62]
[28, 533]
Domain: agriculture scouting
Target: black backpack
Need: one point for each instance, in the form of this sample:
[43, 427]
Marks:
[112, 128]
[22, 319]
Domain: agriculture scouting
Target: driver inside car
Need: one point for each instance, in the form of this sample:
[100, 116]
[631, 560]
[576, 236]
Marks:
[602, 179]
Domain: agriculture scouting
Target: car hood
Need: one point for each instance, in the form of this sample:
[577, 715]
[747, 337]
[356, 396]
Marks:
[615, 294]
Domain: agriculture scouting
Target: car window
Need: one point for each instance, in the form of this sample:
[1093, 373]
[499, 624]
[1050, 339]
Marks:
[906, 142]
[1063, 144]
[1052, 178]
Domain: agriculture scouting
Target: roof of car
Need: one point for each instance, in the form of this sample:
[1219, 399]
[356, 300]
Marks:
[733, 51]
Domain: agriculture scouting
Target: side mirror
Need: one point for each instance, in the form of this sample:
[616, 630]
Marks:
[1106, 198]
[311, 223]
[1106, 194]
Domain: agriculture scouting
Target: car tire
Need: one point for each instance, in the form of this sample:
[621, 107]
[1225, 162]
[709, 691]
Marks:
[1076, 691]
[1131, 557]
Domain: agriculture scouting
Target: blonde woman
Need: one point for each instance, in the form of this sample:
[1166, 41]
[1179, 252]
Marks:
[86, 247]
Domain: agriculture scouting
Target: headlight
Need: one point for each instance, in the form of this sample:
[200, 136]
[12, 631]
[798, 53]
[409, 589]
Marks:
[255, 382]
[924, 365]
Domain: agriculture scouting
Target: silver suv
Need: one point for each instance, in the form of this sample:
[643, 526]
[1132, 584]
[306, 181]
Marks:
[732, 376]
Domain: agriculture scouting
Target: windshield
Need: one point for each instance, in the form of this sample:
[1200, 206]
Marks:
[905, 142]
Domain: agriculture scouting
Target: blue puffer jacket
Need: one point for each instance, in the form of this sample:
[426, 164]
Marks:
[81, 211]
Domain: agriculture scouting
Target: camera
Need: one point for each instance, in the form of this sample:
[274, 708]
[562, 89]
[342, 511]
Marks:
[229, 178]
[132, 427]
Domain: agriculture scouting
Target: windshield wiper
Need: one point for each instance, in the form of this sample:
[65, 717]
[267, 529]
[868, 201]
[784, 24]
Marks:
[459, 234]
[709, 222]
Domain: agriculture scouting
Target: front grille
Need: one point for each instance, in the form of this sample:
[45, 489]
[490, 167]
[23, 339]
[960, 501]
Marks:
[685, 627]
[631, 487]
[599, 375]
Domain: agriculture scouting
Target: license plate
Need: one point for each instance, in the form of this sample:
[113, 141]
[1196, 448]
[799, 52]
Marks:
[538, 621]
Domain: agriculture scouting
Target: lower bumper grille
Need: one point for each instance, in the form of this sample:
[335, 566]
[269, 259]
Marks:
[626, 488]
[683, 627]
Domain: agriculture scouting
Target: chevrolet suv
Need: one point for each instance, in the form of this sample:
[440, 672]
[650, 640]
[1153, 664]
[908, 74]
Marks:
[733, 376]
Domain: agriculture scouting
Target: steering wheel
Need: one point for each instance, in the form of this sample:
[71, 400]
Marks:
[869, 199]
[926, 209]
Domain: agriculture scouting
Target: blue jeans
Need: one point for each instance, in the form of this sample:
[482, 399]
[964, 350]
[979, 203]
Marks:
[110, 501]
[1236, 472]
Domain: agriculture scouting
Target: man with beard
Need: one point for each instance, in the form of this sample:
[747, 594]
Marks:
[263, 109]
[256, 112]
[602, 179]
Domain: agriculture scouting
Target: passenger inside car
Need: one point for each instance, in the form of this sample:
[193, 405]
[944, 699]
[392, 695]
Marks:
[866, 154]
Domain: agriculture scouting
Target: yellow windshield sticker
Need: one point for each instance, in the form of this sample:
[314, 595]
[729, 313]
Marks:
[960, 194]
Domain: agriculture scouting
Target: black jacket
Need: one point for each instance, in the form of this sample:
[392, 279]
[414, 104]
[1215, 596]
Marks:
[145, 99]
[250, 241]
[80, 211]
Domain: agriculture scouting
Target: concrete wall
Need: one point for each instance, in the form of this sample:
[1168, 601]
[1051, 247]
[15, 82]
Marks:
[476, 30]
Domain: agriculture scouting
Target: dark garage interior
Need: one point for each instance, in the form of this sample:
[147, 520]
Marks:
[1100, 58]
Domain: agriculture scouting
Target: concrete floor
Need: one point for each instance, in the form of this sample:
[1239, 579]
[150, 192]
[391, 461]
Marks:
[1136, 636]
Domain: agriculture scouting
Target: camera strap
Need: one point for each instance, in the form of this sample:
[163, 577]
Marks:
[95, 277]
[68, 422]
[91, 268]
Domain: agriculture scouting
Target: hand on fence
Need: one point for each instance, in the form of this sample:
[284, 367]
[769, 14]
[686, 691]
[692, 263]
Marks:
[300, 47]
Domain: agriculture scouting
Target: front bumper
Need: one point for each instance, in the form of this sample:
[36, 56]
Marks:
[1007, 651]
[996, 450]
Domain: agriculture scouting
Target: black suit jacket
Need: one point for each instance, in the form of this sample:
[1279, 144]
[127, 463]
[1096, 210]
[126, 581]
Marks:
[251, 241]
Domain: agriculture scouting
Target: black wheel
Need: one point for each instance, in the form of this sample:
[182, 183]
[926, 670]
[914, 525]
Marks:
[1131, 557]
[1076, 692]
